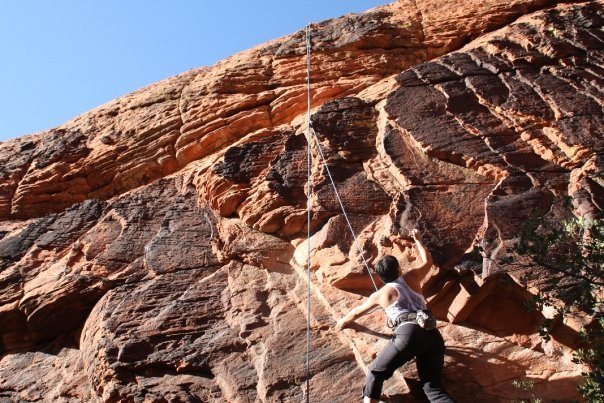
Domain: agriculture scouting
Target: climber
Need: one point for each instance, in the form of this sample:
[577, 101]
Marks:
[415, 333]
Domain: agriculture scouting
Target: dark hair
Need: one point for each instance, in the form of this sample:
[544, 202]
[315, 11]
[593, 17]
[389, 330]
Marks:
[387, 269]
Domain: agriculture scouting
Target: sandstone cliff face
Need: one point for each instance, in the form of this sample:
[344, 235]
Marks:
[154, 249]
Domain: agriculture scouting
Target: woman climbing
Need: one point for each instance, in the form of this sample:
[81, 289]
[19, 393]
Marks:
[415, 333]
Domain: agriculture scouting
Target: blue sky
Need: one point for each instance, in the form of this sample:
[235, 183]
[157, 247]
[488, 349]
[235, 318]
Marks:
[60, 58]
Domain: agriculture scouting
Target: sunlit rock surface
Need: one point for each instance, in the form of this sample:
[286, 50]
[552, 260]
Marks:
[154, 249]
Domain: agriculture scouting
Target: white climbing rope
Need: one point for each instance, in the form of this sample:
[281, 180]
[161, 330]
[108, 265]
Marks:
[324, 161]
[335, 189]
[308, 210]
[309, 138]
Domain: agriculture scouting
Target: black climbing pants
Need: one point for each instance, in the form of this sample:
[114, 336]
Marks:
[410, 341]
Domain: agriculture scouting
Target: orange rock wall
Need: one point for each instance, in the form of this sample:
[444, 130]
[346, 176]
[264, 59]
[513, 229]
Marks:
[155, 247]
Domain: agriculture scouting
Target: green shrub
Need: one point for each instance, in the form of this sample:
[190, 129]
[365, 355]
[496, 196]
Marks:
[563, 259]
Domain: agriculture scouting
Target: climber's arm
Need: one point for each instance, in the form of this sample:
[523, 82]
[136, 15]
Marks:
[414, 276]
[366, 307]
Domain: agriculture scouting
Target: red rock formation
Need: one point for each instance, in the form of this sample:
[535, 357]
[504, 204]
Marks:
[154, 248]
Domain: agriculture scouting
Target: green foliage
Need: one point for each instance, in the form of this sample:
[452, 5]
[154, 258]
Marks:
[527, 385]
[570, 252]
[592, 355]
[524, 384]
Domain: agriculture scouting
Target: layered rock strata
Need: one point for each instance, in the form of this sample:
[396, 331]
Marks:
[154, 249]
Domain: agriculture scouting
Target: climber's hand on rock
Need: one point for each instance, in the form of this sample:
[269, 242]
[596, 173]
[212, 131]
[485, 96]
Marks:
[343, 323]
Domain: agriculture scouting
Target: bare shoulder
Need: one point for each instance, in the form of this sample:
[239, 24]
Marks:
[386, 296]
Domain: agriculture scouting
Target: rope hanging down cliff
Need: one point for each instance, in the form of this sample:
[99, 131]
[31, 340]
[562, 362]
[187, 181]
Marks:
[308, 211]
[310, 136]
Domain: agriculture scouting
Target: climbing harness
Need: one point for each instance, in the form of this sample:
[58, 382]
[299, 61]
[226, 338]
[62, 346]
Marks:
[423, 317]
[310, 136]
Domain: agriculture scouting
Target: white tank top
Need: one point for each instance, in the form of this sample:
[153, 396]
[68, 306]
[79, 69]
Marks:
[408, 300]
